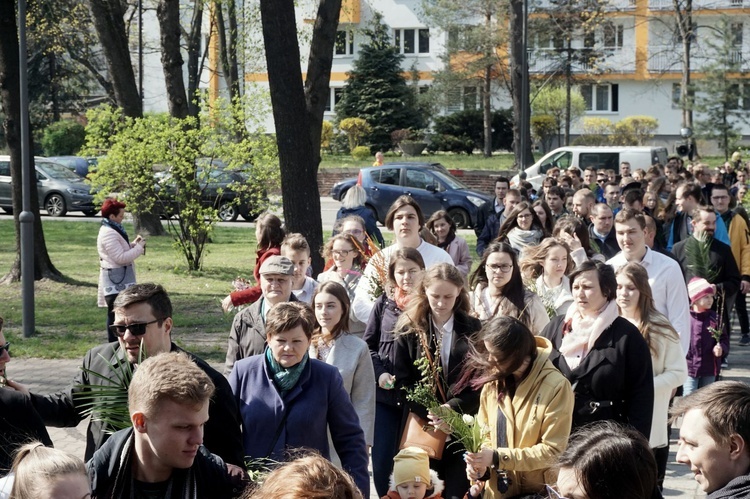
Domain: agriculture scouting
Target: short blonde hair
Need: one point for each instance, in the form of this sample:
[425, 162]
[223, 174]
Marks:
[288, 315]
[296, 242]
[36, 466]
[168, 376]
[308, 477]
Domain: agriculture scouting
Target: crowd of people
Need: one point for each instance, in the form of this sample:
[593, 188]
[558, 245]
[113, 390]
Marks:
[589, 306]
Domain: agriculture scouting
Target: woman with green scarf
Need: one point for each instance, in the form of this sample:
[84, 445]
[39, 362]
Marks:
[288, 400]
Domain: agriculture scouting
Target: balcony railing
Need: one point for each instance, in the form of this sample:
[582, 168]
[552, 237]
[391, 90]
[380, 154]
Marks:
[668, 59]
[621, 60]
[701, 4]
[607, 5]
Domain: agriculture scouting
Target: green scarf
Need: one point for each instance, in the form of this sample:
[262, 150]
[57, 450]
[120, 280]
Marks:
[283, 378]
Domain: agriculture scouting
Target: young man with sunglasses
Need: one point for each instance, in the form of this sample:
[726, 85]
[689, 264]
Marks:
[143, 326]
[19, 422]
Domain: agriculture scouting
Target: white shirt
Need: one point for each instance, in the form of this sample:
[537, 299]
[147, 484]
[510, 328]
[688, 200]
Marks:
[446, 342]
[308, 289]
[668, 288]
[364, 299]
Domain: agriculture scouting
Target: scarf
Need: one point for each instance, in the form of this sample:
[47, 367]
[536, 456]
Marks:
[285, 378]
[519, 238]
[448, 240]
[117, 228]
[584, 331]
[401, 298]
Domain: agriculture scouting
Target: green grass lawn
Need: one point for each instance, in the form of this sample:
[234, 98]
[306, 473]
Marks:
[68, 322]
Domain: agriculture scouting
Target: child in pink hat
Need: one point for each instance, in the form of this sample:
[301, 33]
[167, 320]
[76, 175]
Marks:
[708, 338]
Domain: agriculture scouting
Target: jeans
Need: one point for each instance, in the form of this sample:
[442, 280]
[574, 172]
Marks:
[110, 299]
[692, 384]
[742, 314]
[387, 436]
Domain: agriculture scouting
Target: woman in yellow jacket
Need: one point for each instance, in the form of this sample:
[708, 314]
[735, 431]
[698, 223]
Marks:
[526, 406]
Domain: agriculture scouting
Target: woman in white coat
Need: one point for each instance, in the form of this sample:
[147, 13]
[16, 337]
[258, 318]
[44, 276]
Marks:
[636, 304]
[332, 344]
[116, 257]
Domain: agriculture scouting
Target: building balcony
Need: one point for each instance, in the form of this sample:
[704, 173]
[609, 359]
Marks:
[606, 5]
[619, 60]
[668, 59]
[701, 4]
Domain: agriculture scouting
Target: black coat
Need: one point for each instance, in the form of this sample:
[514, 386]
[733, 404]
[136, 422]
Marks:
[382, 344]
[484, 213]
[607, 247]
[19, 424]
[222, 433]
[617, 370]
[208, 477]
[409, 349]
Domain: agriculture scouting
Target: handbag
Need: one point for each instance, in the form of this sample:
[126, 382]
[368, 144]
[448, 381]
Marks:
[418, 433]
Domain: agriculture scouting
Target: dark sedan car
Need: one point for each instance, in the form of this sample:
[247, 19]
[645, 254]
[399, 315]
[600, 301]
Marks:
[429, 184]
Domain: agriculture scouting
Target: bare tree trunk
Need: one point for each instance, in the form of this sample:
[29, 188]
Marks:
[568, 85]
[109, 22]
[168, 14]
[10, 97]
[523, 157]
[486, 96]
[194, 54]
[299, 153]
[685, 30]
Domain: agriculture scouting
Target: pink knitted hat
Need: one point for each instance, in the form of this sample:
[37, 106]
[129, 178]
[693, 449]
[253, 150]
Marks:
[698, 287]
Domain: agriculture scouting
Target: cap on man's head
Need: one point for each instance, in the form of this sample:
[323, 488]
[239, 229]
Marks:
[411, 464]
[698, 287]
[277, 265]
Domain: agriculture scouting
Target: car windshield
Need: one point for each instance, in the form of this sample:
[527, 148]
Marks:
[449, 180]
[57, 171]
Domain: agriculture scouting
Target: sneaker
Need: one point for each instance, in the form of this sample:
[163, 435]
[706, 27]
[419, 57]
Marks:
[724, 364]
[745, 340]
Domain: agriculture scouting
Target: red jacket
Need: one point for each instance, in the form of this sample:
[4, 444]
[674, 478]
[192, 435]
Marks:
[251, 295]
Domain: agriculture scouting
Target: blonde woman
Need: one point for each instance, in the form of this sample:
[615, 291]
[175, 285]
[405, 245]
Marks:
[546, 268]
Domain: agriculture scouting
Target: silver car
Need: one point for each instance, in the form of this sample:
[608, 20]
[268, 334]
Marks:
[60, 190]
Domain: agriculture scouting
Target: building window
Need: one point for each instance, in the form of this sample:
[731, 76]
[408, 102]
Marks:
[344, 43]
[734, 96]
[334, 96]
[471, 98]
[412, 41]
[676, 95]
[613, 36]
[601, 98]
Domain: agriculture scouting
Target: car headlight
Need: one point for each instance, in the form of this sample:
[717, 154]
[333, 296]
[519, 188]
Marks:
[79, 192]
[475, 201]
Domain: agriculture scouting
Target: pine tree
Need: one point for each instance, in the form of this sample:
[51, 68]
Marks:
[377, 91]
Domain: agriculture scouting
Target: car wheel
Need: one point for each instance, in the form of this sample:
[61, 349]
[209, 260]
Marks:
[228, 212]
[90, 213]
[55, 205]
[8, 210]
[460, 216]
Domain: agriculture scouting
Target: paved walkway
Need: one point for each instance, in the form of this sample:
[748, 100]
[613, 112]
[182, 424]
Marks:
[46, 376]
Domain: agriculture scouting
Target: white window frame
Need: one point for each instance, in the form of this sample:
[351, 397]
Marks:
[594, 88]
[399, 39]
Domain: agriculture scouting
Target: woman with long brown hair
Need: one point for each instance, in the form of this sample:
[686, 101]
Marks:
[437, 325]
[522, 228]
[546, 268]
[498, 289]
[636, 304]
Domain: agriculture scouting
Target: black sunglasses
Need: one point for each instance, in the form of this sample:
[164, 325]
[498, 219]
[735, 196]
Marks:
[136, 329]
[5, 348]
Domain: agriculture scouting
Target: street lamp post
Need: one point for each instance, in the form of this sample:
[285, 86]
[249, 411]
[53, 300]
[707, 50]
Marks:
[26, 217]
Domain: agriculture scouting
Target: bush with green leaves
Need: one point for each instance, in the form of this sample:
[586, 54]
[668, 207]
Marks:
[361, 153]
[634, 130]
[63, 138]
[467, 127]
[356, 130]
[140, 147]
[544, 129]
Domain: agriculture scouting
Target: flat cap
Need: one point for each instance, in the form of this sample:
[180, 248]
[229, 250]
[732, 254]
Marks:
[277, 265]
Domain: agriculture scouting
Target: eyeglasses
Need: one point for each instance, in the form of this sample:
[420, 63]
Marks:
[355, 232]
[504, 267]
[600, 180]
[342, 253]
[553, 494]
[5, 348]
[136, 328]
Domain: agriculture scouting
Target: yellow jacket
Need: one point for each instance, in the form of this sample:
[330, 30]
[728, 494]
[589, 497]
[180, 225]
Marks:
[739, 240]
[538, 421]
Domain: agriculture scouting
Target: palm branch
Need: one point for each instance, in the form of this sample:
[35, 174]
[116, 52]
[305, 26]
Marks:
[108, 402]
[698, 252]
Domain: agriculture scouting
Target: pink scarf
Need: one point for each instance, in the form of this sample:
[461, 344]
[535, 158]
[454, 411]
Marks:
[585, 331]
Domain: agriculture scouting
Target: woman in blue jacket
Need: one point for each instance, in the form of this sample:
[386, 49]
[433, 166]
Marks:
[288, 400]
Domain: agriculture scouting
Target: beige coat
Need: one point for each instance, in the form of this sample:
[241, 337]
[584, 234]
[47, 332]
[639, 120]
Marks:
[114, 253]
[670, 371]
[538, 422]
[537, 313]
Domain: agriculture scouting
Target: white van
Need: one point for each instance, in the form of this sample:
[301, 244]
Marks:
[608, 158]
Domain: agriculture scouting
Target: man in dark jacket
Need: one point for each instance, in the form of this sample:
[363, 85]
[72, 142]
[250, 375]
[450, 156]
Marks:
[701, 255]
[161, 454]
[143, 319]
[601, 230]
[494, 207]
[248, 334]
[715, 438]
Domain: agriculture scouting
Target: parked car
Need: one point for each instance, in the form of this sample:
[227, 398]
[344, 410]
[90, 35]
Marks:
[217, 183]
[606, 157]
[429, 184]
[60, 190]
[78, 165]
